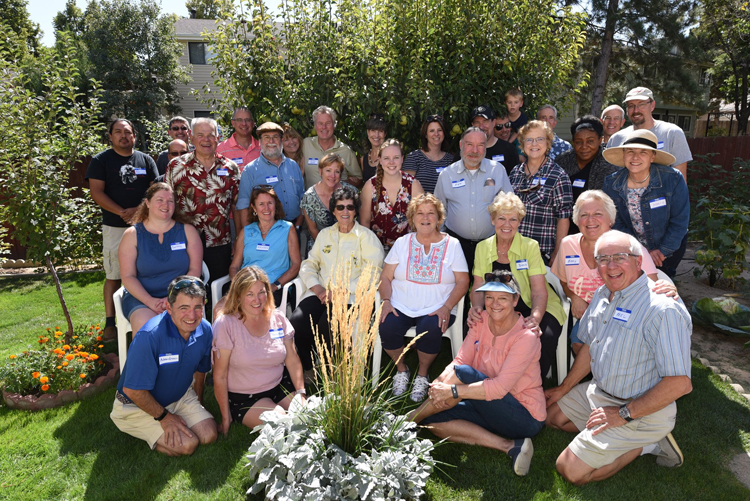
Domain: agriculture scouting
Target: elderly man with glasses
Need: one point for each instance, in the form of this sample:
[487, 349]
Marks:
[178, 128]
[242, 148]
[160, 394]
[637, 348]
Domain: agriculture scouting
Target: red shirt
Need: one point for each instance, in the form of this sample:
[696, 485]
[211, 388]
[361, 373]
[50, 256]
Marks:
[239, 155]
[206, 196]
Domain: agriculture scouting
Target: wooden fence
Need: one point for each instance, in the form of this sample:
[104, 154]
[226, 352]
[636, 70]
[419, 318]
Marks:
[726, 148]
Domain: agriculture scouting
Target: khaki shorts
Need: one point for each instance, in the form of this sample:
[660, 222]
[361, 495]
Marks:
[129, 418]
[602, 449]
[111, 235]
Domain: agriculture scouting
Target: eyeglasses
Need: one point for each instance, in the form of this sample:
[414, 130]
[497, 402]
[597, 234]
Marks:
[506, 125]
[530, 189]
[184, 283]
[504, 278]
[433, 118]
[176, 128]
[177, 153]
[619, 258]
[639, 106]
[534, 140]
[243, 120]
[349, 207]
[616, 118]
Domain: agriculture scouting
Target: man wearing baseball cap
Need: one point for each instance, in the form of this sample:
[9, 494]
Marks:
[496, 149]
[640, 104]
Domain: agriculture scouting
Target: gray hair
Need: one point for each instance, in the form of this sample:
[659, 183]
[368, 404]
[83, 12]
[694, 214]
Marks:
[547, 107]
[195, 288]
[589, 195]
[613, 107]
[470, 130]
[321, 110]
[204, 120]
[242, 108]
[635, 246]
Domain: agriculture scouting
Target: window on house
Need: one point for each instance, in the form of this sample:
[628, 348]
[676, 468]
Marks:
[705, 78]
[203, 114]
[197, 52]
[684, 122]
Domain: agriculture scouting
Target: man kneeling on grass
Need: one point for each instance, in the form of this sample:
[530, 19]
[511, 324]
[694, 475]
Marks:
[160, 393]
[637, 347]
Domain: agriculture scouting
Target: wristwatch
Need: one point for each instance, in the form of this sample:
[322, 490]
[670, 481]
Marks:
[624, 413]
[301, 391]
[277, 284]
[455, 391]
[163, 415]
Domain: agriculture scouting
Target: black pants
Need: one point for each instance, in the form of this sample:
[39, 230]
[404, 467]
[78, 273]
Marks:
[551, 330]
[309, 310]
[669, 266]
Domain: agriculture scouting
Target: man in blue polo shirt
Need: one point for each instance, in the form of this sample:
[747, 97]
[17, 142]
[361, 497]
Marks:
[276, 170]
[160, 394]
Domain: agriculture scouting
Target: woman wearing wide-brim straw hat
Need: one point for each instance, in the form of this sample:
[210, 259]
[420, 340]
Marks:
[652, 199]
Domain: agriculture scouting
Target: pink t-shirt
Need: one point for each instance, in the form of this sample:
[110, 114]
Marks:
[256, 364]
[570, 267]
[511, 364]
[239, 155]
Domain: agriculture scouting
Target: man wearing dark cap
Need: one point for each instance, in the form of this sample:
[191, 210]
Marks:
[497, 150]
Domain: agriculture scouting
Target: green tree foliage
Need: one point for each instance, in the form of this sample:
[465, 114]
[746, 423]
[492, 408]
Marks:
[405, 59]
[44, 135]
[209, 9]
[133, 54]
[15, 17]
[726, 34]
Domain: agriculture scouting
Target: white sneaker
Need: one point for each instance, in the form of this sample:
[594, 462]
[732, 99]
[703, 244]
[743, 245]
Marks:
[419, 388]
[401, 382]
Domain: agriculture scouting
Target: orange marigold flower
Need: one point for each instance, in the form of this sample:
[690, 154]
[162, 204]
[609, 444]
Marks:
[56, 328]
[80, 346]
[57, 350]
[47, 329]
[43, 379]
[65, 364]
[40, 341]
[75, 337]
[59, 366]
[35, 375]
[83, 354]
[70, 356]
[98, 338]
[94, 357]
[66, 347]
[83, 376]
[45, 387]
[59, 356]
[101, 346]
[13, 356]
[58, 333]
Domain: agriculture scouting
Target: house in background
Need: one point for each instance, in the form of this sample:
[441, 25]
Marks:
[196, 53]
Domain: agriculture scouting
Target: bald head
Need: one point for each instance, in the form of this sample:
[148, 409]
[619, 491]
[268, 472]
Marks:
[622, 253]
[177, 148]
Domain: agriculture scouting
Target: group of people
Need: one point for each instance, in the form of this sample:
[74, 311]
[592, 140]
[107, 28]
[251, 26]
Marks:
[479, 232]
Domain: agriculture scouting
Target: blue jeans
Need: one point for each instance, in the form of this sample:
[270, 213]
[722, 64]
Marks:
[505, 417]
[394, 328]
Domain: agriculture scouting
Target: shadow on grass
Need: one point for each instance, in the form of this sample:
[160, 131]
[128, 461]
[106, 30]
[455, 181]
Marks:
[12, 283]
[125, 467]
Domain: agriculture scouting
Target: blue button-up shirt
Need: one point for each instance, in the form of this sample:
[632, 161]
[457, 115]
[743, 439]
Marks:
[286, 180]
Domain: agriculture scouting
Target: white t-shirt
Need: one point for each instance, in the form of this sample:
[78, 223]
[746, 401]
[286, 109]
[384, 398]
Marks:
[422, 283]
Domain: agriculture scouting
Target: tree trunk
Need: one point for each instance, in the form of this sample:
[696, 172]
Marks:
[741, 106]
[69, 333]
[602, 67]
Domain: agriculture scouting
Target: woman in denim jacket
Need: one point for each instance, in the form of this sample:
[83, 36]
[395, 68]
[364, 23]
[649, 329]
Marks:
[652, 200]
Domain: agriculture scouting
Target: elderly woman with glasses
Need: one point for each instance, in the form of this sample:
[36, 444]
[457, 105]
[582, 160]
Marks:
[428, 161]
[544, 188]
[491, 394]
[346, 242]
[510, 251]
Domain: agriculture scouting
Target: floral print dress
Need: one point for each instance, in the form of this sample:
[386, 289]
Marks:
[389, 219]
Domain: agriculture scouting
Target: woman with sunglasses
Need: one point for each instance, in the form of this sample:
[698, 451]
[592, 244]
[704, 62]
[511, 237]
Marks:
[386, 197]
[255, 365]
[345, 242]
[491, 394]
[268, 241]
[428, 161]
[376, 132]
[544, 188]
[157, 248]
[510, 251]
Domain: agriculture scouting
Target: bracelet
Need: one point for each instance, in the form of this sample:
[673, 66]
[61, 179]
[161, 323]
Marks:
[455, 391]
[301, 391]
[163, 415]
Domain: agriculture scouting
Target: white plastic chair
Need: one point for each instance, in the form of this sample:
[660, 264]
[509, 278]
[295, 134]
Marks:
[455, 333]
[299, 289]
[123, 323]
[562, 341]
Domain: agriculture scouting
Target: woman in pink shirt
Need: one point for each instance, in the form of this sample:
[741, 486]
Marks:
[254, 361]
[491, 394]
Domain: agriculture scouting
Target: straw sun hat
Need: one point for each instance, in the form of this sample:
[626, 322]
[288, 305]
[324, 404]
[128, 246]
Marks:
[643, 139]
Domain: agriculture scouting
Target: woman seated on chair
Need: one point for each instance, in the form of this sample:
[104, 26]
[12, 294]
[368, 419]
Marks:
[268, 241]
[511, 251]
[424, 277]
[575, 265]
[157, 248]
[255, 364]
[345, 242]
[491, 394]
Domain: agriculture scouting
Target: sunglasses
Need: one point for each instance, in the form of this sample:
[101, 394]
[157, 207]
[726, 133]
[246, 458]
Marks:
[184, 283]
[176, 128]
[433, 118]
[505, 278]
[532, 188]
[177, 153]
[506, 125]
[349, 207]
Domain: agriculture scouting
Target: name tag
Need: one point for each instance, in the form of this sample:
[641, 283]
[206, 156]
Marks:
[276, 333]
[542, 181]
[262, 247]
[498, 158]
[459, 184]
[622, 314]
[658, 202]
[178, 246]
[168, 358]
[272, 179]
[140, 172]
[660, 145]
[522, 264]
[572, 260]
[439, 169]
[579, 183]
[238, 161]
[312, 161]
[222, 172]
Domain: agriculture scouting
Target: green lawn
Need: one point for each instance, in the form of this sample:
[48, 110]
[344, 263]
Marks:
[76, 452]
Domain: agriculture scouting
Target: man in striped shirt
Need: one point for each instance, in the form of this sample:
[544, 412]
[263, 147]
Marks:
[637, 347]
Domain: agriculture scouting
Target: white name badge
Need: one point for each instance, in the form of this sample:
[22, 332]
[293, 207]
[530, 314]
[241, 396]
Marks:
[262, 247]
[542, 181]
[660, 145]
[238, 161]
[459, 184]
[658, 202]
[222, 172]
[498, 158]
[522, 264]
[276, 333]
[439, 169]
[622, 314]
[169, 358]
[178, 246]
[272, 179]
[312, 161]
[572, 260]
[140, 172]
[579, 183]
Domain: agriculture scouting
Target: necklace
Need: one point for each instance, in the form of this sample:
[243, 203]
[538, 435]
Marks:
[641, 182]
[375, 161]
[264, 233]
